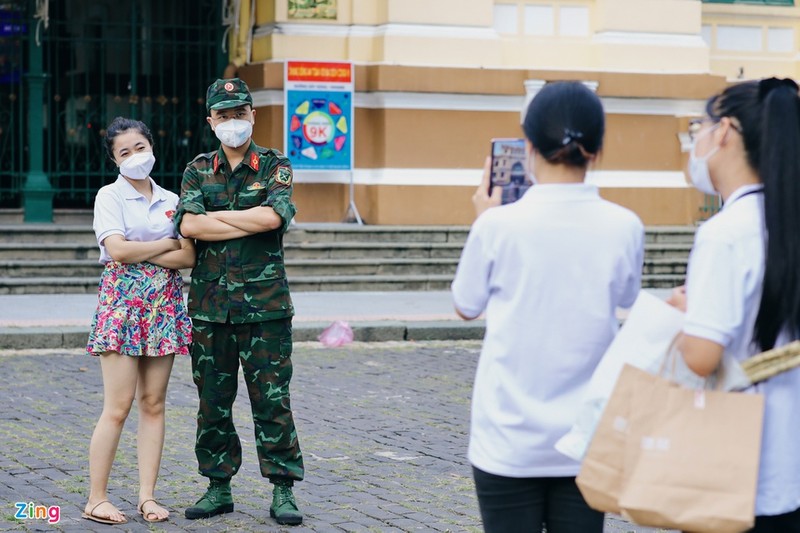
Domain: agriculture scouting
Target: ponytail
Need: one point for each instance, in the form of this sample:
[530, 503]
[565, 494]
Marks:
[769, 115]
[779, 170]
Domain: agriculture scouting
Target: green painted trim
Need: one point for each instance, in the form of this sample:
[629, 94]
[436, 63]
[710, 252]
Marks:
[753, 2]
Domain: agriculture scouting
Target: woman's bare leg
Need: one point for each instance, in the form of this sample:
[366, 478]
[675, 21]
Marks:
[151, 394]
[120, 374]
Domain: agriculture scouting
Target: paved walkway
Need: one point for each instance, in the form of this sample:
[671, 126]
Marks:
[35, 310]
[62, 320]
[383, 427]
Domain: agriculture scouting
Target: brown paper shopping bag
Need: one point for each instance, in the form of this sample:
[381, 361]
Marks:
[601, 478]
[696, 459]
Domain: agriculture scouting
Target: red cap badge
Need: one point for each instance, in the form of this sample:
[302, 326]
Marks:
[229, 86]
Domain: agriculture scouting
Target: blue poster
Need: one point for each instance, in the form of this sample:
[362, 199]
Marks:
[319, 129]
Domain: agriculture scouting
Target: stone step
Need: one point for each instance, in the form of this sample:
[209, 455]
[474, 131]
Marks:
[88, 284]
[51, 251]
[664, 266]
[40, 285]
[434, 282]
[29, 268]
[669, 234]
[662, 281]
[317, 233]
[294, 268]
[47, 233]
[60, 216]
[369, 250]
[667, 251]
[329, 233]
[343, 250]
[63, 258]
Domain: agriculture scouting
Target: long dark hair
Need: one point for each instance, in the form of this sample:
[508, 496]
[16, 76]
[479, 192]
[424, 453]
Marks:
[121, 125]
[565, 123]
[768, 113]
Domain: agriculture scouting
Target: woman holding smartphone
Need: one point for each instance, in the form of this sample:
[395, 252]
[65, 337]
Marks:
[141, 320]
[549, 271]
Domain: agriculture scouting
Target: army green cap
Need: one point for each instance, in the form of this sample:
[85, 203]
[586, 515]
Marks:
[225, 94]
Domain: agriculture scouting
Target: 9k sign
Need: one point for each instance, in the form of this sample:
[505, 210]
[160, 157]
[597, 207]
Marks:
[319, 115]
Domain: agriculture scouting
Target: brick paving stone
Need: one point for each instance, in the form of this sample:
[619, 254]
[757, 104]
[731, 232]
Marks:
[383, 428]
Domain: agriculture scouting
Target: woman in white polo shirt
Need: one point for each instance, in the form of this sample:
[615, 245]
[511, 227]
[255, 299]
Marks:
[141, 320]
[743, 284]
[549, 271]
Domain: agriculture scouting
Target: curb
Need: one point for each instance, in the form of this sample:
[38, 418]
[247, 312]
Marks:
[377, 331]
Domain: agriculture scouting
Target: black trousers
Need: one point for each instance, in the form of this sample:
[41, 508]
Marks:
[782, 523]
[528, 505]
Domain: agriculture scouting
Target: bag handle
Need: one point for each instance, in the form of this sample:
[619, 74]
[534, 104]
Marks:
[770, 363]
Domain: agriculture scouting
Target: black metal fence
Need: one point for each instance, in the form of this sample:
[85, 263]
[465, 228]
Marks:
[147, 59]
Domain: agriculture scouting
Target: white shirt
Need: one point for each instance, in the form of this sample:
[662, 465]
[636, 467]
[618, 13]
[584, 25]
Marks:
[550, 271]
[119, 209]
[723, 291]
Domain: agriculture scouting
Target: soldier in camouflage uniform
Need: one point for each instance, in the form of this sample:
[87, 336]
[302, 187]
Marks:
[237, 203]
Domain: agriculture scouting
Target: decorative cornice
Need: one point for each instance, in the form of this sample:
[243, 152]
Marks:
[383, 30]
[610, 179]
[497, 103]
[631, 38]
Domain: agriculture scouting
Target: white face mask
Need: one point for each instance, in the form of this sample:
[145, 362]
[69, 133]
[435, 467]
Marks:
[137, 166]
[234, 133]
[698, 166]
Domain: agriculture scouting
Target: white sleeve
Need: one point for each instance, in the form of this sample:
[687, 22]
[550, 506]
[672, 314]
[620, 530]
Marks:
[173, 206]
[715, 287]
[470, 287]
[108, 219]
[633, 283]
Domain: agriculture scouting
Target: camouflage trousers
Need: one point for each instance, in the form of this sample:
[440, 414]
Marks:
[264, 350]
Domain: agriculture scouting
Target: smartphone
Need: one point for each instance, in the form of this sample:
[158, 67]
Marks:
[509, 169]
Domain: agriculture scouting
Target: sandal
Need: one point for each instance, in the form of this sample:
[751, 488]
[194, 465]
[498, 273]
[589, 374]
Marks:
[145, 515]
[103, 519]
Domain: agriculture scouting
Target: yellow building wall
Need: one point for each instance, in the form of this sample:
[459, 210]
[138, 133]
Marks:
[752, 64]
[622, 35]
[674, 50]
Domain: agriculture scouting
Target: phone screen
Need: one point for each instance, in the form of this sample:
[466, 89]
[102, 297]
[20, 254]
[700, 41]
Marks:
[509, 169]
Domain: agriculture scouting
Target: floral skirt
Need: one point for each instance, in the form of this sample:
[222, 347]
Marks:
[140, 312]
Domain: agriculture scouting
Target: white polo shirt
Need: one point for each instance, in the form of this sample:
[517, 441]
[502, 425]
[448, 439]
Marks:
[549, 271]
[119, 209]
[723, 291]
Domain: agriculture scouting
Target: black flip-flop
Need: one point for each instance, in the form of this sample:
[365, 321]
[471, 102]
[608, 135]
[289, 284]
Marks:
[102, 519]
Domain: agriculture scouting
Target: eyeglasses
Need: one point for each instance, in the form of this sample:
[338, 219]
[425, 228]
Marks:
[696, 126]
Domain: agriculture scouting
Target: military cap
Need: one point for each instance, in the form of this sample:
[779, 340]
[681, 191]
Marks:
[225, 94]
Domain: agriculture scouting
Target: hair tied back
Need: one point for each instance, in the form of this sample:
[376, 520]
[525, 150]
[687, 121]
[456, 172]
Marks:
[570, 136]
[768, 85]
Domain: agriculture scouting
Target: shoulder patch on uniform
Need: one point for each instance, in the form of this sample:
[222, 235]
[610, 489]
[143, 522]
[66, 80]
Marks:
[201, 156]
[284, 175]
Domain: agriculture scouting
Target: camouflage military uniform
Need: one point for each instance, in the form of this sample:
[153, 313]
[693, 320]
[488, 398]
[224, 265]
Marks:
[241, 309]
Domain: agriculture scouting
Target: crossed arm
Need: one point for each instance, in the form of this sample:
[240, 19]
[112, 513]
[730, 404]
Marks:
[225, 225]
[168, 253]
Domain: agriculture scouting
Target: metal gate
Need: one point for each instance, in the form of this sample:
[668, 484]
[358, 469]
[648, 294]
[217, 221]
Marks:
[13, 27]
[146, 59]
